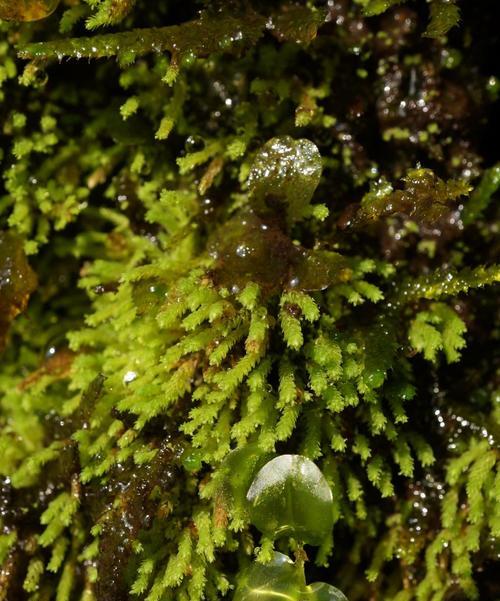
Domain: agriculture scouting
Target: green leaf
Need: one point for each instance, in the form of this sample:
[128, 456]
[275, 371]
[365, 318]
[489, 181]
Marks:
[376, 7]
[440, 328]
[287, 171]
[281, 578]
[321, 591]
[237, 472]
[425, 338]
[453, 329]
[445, 14]
[290, 496]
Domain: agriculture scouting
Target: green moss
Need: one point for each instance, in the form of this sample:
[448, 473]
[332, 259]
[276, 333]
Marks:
[262, 231]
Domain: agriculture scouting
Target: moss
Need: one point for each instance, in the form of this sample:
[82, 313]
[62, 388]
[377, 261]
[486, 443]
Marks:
[233, 231]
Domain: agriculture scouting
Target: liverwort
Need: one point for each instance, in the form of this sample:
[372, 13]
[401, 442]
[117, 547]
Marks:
[280, 578]
[322, 591]
[238, 470]
[252, 250]
[27, 10]
[284, 176]
[290, 496]
[283, 579]
[255, 246]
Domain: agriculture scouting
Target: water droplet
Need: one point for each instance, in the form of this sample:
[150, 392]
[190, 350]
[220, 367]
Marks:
[130, 376]
[194, 144]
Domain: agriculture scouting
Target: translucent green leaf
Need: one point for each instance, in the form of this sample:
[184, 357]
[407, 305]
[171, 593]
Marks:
[237, 472]
[283, 579]
[278, 579]
[290, 496]
[321, 591]
[375, 7]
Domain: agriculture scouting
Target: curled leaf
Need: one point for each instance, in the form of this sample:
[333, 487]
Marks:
[425, 198]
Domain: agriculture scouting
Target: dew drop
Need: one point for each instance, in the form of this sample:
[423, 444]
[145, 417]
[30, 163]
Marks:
[130, 376]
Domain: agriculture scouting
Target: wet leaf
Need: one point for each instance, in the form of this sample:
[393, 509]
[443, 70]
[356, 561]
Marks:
[280, 578]
[252, 250]
[26, 10]
[445, 14]
[425, 198]
[290, 496]
[17, 281]
[284, 176]
[376, 7]
[317, 270]
[321, 591]
[296, 23]
[239, 468]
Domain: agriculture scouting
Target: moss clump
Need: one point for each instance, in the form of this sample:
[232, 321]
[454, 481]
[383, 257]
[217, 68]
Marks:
[257, 229]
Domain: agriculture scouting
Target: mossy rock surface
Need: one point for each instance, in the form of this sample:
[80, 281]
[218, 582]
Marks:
[232, 232]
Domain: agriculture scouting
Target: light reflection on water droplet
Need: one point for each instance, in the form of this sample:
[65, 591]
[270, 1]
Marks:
[130, 376]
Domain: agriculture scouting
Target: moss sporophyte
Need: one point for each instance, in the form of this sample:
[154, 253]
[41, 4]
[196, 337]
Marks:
[248, 314]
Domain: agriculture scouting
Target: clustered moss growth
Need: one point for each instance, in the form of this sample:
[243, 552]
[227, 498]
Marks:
[263, 227]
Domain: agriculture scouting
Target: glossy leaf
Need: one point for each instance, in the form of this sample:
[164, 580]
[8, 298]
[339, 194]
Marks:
[27, 10]
[321, 591]
[284, 175]
[282, 579]
[278, 579]
[290, 496]
[238, 470]
[445, 14]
